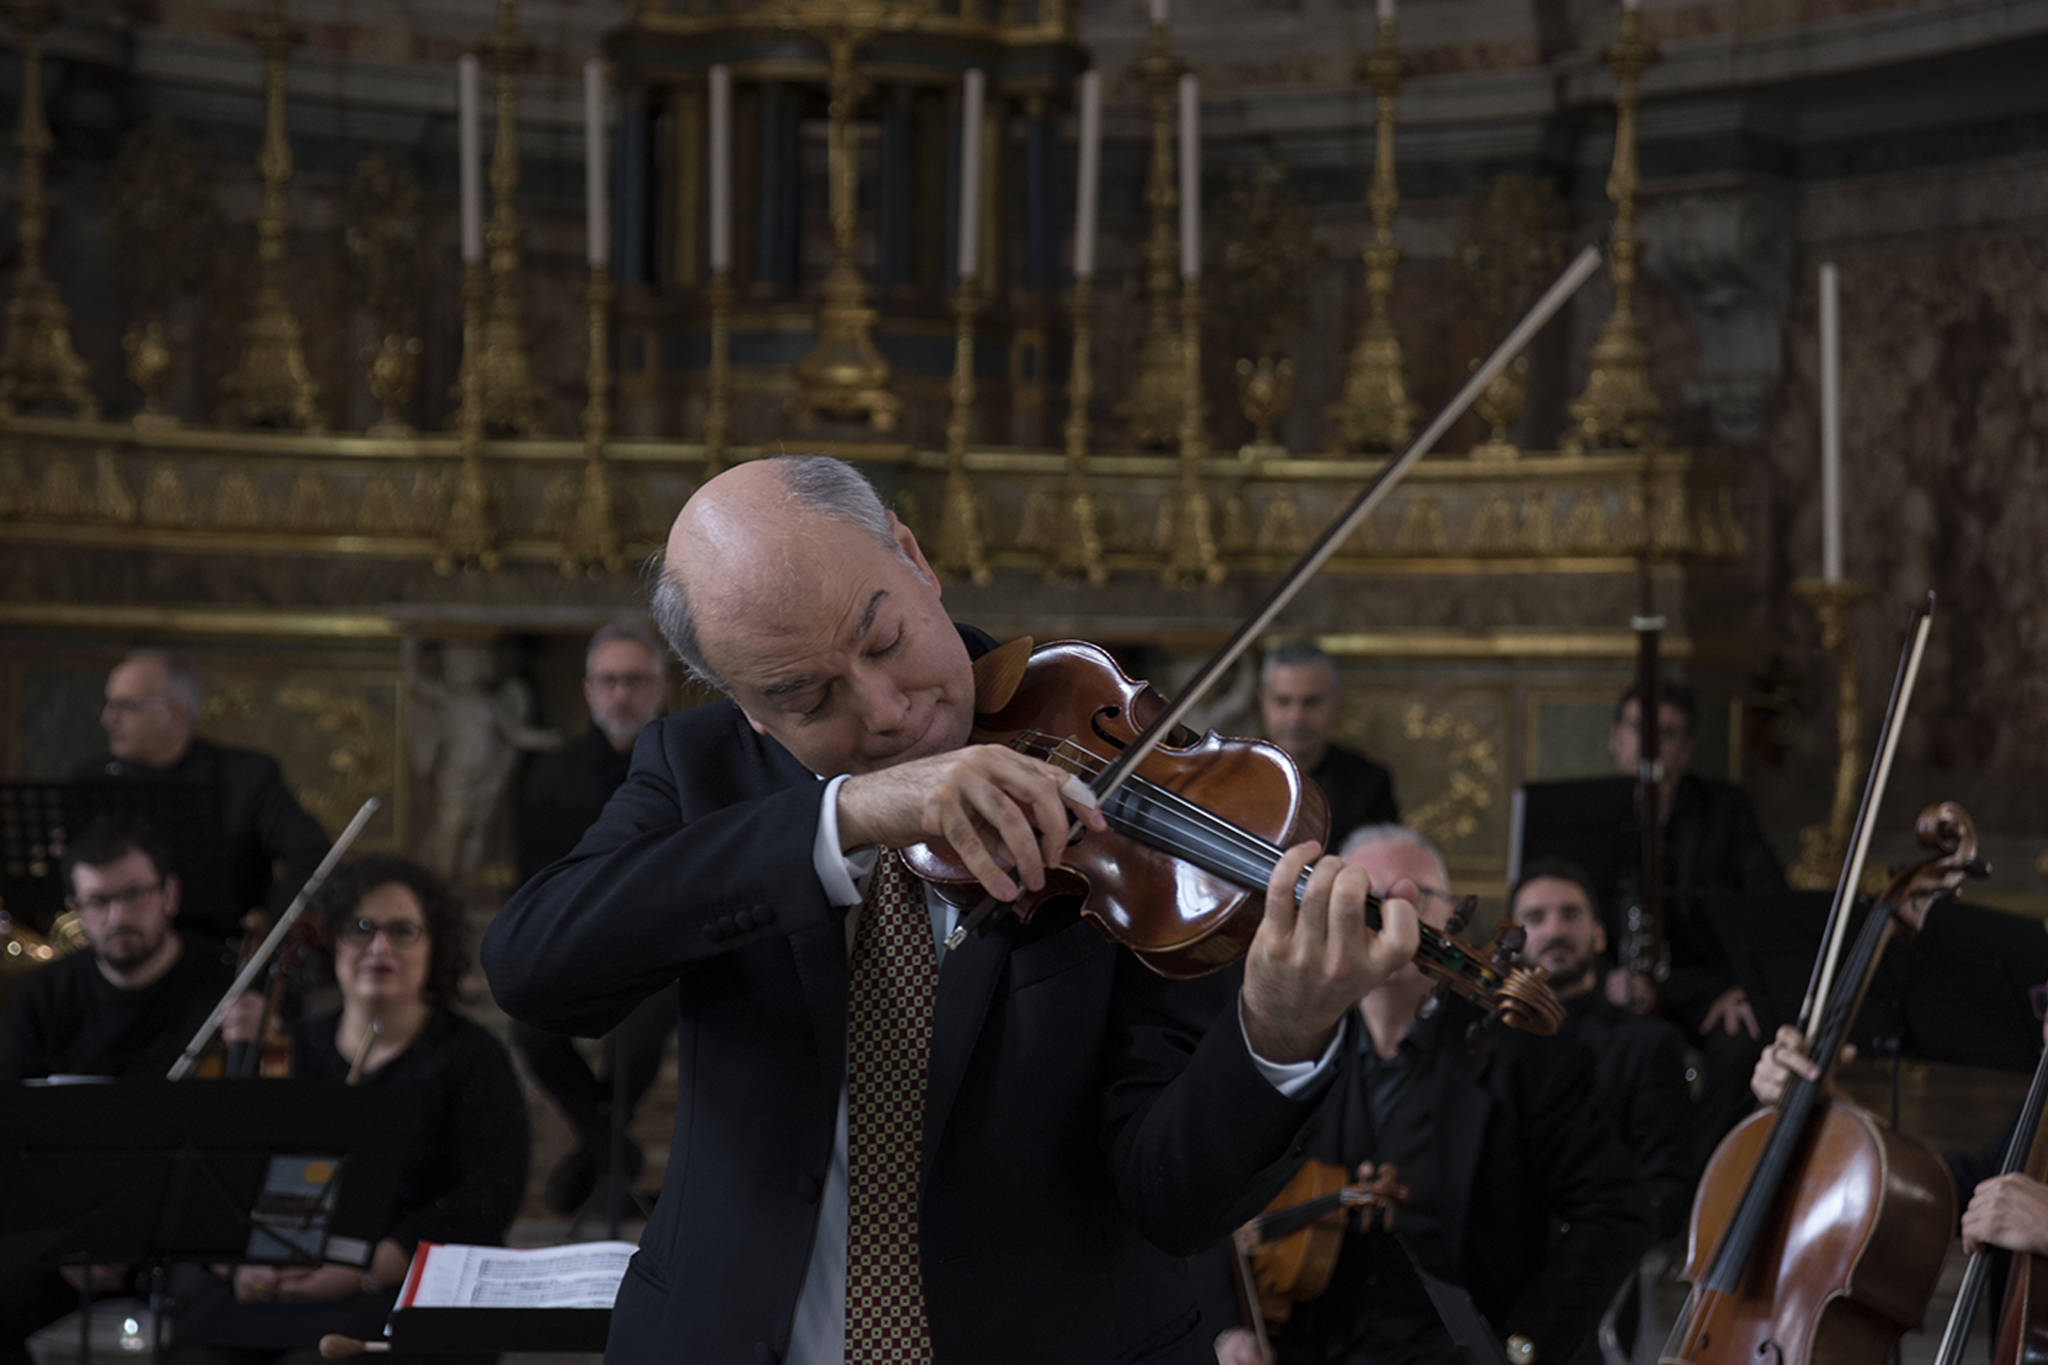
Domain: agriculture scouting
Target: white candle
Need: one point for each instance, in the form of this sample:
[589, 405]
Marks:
[596, 201]
[470, 126]
[1158, 11]
[721, 167]
[1190, 179]
[970, 174]
[1386, 11]
[1631, 4]
[1830, 428]
[1085, 197]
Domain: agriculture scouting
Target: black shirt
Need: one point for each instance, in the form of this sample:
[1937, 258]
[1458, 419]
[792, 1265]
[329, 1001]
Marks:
[1639, 1068]
[68, 1019]
[1361, 793]
[1711, 843]
[566, 790]
[262, 829]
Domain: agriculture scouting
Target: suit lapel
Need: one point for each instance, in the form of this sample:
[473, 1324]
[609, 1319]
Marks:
[1461, 1113]
[967, 982]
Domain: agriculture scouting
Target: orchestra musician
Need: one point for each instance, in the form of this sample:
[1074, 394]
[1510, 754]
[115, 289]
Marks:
[1084, 1123]
[625, 684]
[391, 935]
[1639, 1062]
[154, 698]
[1711, 842]
[121, 1010]
[1300, 699]
[1519, 1189]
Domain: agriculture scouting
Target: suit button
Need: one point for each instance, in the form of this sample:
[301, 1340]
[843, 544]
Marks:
[764, 915]
[725, 924]
[711, 932]
[765, 1353]
[744, 920]
[808, 1188]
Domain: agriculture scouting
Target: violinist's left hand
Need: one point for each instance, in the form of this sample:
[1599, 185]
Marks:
[2009, 1211]
[1311, 964]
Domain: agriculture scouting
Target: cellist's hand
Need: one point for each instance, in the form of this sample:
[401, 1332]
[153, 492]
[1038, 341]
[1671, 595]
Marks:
[1238, 1346]
[1731, 1013]
[1783, 1059]
[1311, 964]
[2009, 1211]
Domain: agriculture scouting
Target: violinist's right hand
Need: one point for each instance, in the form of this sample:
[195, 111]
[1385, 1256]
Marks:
[1784, 1058]
[244, 1019]
[1238, 1346]
[995, 806]
[1310, 964]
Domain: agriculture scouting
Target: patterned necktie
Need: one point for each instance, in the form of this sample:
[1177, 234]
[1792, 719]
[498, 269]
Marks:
[895, 979]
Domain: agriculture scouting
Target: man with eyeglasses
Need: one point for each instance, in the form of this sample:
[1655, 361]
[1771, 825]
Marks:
[268, 844]
[1518, 1188]
[625, 683]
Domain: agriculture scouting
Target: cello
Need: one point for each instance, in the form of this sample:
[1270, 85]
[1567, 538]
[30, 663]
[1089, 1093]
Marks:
[1818, 1234]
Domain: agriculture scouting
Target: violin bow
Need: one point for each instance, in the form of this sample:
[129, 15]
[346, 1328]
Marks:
[253, 968]
[1370, 497]
[1918, 626]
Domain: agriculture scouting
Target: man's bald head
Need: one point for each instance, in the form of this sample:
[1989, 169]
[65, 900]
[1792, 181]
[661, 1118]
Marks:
[731, 542]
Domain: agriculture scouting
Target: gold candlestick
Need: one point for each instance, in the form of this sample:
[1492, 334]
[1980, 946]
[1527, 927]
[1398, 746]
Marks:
[1822, 847]
[844, 374]
[716, 399]
[1078, 553]
[38, 368]
[505, 389]
[593, 540]
[1619, 410]
[1153, 409]
[470, 538]
[1191, 556]
[1375, 413]
[960, 545]
[272, 387]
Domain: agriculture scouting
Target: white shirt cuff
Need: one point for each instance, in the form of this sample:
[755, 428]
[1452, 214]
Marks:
[840, 874]
[1291, 1079]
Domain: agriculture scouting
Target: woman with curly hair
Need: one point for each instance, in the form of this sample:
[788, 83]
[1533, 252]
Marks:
[391, 934]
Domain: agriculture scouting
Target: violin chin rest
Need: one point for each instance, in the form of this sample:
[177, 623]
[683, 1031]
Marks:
[998, 673]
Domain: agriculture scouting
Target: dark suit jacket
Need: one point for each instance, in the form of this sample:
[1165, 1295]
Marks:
[1083, 1118]
[1711, 843]
[262, 825]
[1639, 1068]
[1539, 1210]
[1360, 791]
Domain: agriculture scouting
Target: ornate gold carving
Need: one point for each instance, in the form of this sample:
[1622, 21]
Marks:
[162, 211]
[163, 500]
[111, 498]
[1154, 406]
[1618, 409]
[593, 539]
[1190, 540]
[272, 387]
[844, 374]
[1375, 413]
[1263, 391]
[1421, 531]
[717, 380]
[960, 550]
[1500, 403]
[1539, 527]
[310, 504]
[1280, 529]
[38, 369]
[470, 537]
[236, 504]
[361, 760]
[16, 497]
[1493, 529]
[1822, 847]
[501, 385]
[392, 250]
[378, 514]
[152, 349]
[1266, 254]
[1073, 545]
[1453, 815]
[1509, 248]
[1585, 530]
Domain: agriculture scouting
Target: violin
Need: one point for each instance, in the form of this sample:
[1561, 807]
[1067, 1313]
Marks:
[1180, 876]
[1292, 1247]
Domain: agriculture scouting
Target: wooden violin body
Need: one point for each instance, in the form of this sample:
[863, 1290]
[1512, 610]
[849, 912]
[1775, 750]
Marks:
[1860, 1241]
[1293, 1246]
[2023, 1325]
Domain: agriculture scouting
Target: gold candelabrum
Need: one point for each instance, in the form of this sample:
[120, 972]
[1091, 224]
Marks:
[1190, 532]
[1822, 847]
[1619, 410]
[503, 382]
[38, 368]
[272, 386]
[961, 553]
[1078, 553]
[593, 540]
[469, 537]
[717, 399]
[1154, 407]
[1375, 413]
[844, 375]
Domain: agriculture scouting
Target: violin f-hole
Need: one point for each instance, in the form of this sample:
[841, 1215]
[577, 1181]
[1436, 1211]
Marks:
[1102, 714]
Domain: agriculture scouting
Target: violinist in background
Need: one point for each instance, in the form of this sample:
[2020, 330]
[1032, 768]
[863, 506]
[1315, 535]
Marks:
[1639, 1062]
[1519, 1189]
[391, 933]
[1711, 843]
[887, 1149]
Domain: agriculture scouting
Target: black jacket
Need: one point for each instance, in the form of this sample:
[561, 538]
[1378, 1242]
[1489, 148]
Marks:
[1360, 791]
[1083, 1118]
[1639, 1069]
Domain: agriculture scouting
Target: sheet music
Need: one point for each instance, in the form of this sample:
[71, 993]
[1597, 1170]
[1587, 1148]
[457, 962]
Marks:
[580, 1275]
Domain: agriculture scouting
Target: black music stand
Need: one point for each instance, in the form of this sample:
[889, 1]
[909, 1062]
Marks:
[157, 1173]
[37, 819]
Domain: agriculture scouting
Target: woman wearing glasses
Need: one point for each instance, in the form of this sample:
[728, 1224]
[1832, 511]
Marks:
[392, 933]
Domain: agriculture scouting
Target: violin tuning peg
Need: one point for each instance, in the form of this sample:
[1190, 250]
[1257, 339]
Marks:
[1431, 1003]
[1480, 1037]
[1508, 945]
[1461, 916]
